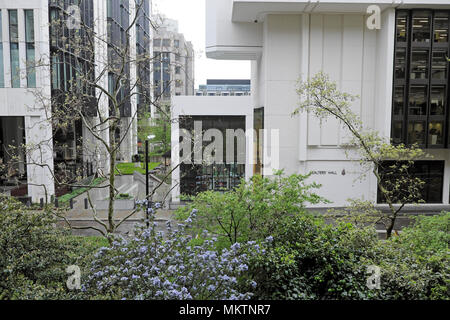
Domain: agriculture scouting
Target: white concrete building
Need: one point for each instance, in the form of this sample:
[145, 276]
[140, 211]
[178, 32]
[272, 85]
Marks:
[25, 93]
[399, 71]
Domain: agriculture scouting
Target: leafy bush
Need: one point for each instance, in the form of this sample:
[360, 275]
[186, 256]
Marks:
[311, 260]
[33, 254]
[254, 209]
[150, 266]
[415, 265]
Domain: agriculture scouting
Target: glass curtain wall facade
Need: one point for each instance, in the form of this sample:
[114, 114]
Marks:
[420, 108]
[30, 48]
[420, 112]
[430, 172]
[13, 170]
[143, 57]
[72, 68]
[14, 48]
[118, 16]
[197, 178]
[161, 75]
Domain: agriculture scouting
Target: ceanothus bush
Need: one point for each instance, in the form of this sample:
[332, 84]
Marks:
[154, 266]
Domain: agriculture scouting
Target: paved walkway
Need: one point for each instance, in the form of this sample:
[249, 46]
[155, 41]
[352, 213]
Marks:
[84, 218]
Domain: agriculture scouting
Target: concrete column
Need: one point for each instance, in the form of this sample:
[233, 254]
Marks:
[40, 167]
[282, 54]
[175, 134]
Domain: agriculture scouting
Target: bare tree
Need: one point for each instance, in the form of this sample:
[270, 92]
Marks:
[99, 73]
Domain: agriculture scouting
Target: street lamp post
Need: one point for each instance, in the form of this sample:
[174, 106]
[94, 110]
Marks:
[146, 183]
[147, 189]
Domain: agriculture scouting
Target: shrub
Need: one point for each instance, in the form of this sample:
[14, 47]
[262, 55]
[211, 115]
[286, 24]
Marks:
[254, 209]
[415, 265]
[311, 260]
[151, 266]
[33, 254]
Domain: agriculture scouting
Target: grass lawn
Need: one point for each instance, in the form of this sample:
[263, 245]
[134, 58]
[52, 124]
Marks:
[75, 193]
[129, 168]
[91, 243]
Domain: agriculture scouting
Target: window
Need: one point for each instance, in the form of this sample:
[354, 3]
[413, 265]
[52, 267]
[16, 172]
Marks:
[166, 89]
[29, 39]
[14, 48]
[177, 70]
[420, 106]
[430, 172]
[176, 43]
[216, 176]
[166, 43]
[157, 43]
[2, 78]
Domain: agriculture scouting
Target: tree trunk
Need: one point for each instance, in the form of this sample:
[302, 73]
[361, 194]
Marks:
[112, 176]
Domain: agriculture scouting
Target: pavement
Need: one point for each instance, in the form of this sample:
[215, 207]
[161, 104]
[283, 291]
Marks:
[84, 218]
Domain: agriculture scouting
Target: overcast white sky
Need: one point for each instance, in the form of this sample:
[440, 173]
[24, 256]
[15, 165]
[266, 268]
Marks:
[191, 18]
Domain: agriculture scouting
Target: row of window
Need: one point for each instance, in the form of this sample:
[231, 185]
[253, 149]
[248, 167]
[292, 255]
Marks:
[420, 112]
[430, 172]
[217, 177]
[72, 55]
[223, 94]
[13, 23]
[143, 43]
[118, 15]
[166, 43]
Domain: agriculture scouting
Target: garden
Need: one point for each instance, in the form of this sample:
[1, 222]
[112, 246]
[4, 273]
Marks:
[257, 241]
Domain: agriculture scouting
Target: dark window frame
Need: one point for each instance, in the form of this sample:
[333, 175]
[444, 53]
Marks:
[405, 118]
[431, 165]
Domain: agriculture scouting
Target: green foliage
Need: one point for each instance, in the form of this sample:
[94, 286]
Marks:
[33, 254]
[429, 235]
[254, 209]
[421, 259]
[129, 168]
[320, 97]
[160, 127]
[64, 200]
[123, 196]
[312, 260]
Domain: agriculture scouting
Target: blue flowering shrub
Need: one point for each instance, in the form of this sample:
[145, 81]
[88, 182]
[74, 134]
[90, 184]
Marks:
[156, 266]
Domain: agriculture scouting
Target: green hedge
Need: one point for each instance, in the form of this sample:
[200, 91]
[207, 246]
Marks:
[312, 260]
[64, 200]
[129, 168]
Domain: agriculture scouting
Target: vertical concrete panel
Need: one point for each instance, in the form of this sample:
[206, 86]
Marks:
[315, 66]
[369, 71]
[352, 64]
[332, 65]
[283, 50]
